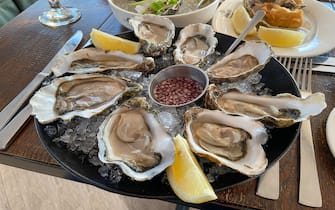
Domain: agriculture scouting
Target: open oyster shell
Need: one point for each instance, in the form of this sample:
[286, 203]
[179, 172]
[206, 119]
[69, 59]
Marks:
[254, 5]
[88, 60]
[132, 138]
[195, 43]
[279, 13]
[281, 110]
[251, 57]
[81, 95]
[154, 32]
[233, 141]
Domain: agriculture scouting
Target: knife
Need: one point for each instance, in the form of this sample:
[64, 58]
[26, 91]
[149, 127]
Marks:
[7, 133]
[9, 111]
[324, 64]
[324, 60]
[309, 186]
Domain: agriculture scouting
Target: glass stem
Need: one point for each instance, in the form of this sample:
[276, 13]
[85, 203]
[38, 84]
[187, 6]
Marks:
[54, 4]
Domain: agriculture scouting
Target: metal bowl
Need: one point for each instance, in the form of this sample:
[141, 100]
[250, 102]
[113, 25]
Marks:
[175, 71]
[202, 15]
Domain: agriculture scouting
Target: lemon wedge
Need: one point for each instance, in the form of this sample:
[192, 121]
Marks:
[279, 37]
[186, 177]
[240, 20]
[107, 41]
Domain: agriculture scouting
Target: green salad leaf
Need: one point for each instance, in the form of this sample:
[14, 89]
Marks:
[157, 7]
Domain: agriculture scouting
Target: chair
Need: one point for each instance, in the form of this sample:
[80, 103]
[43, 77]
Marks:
[10, 8]
[23, 4]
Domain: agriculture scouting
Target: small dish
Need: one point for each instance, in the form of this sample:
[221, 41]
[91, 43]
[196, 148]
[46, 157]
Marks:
[178, 85]
[330, 131]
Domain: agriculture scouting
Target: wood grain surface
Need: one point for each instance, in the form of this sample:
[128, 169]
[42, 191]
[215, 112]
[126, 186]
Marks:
[22, 189]
[26, 46]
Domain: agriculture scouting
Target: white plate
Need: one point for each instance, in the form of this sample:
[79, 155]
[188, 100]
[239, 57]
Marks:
[330, 131]
[318, 24]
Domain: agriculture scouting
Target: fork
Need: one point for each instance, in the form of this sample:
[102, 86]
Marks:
[309, 187]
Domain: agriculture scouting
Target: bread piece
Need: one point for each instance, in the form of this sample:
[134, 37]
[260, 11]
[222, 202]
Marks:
[281, 16]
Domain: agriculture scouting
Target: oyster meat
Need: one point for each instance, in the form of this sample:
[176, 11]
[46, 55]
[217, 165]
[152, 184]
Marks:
[195, 43]
[154, 32]
[281, 110]
[90, 60]
[81, 95]
[132, 138]
[232, 141]
[249, 58]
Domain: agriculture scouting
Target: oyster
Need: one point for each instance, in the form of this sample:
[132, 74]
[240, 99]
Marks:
[249, 58]
[281, 110]
[81, 95]
[255, 5]
[279, 13]
[132, 138]
[233, 141]
[166, 8]
[154, 32]
[195, 43]
[90, 60]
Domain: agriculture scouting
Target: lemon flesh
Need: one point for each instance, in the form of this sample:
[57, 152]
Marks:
[107, 41]
[240, 19]
[186, 177]
[278, 37]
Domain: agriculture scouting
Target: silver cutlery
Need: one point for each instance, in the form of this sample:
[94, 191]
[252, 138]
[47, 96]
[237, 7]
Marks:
[9, 125]
[325, 69]
[324, 64]
[320, 63]
[9, 131]
[309, 187]
[268, 183]
[324, 60]
[9, 111]
[255, 19]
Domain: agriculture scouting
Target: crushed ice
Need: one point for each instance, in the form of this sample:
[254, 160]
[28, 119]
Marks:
[79, 135]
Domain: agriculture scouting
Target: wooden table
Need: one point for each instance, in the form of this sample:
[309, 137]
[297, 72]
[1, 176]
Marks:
[26, 47]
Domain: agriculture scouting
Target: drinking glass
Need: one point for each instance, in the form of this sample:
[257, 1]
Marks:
[59, 15]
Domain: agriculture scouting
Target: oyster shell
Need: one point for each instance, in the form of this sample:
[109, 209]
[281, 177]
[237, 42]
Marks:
[249, 58]
[81, 95]
[169, 9]
[281, 110]
[195, 43]
[132, 138]
[279, 13]
[88, 60]
[233, 141]
[154, 32]
[255, 5]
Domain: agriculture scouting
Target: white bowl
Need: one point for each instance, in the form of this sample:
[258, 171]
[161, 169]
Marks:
[203, 15]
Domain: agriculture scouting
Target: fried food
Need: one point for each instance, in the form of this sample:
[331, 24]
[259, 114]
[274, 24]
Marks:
[279, 16]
